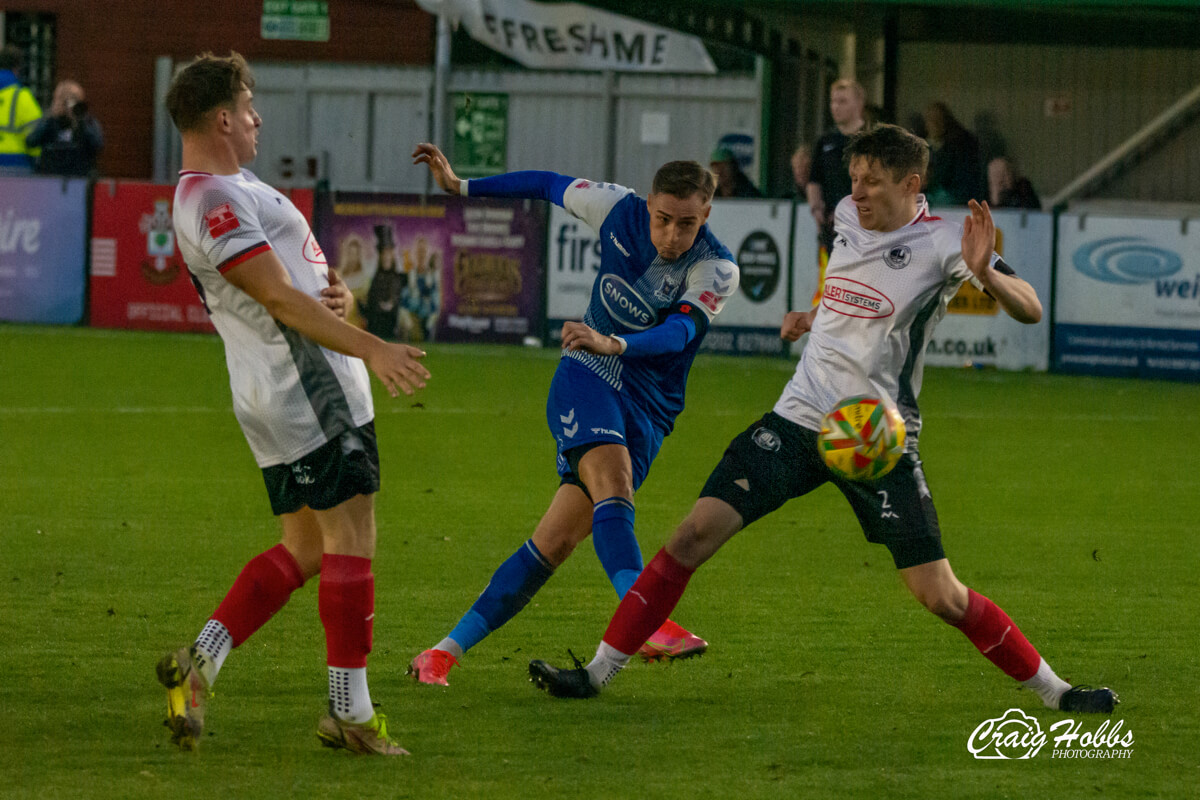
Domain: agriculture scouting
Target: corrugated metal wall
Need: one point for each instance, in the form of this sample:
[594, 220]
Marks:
[363, 121]
[560, 120]
[1060, 109]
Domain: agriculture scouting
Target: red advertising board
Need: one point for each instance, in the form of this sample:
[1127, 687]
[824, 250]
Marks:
[138, 278]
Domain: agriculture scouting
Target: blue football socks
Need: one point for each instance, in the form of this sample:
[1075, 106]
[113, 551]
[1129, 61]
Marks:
[512, 587]
[616, 545]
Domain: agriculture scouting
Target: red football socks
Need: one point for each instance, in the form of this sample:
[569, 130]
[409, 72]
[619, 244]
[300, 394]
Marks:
[261, 589]
[998, 638]
[648, 603]
[346, 601]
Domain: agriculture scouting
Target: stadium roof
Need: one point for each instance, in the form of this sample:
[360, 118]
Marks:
[755, 24]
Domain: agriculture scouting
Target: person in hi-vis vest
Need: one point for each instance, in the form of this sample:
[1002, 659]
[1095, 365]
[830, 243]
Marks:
[19, 110]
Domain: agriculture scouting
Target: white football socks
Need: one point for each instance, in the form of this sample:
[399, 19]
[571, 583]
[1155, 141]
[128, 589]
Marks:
[450, 646]
[349, 698]
[210, 649]
[607, 663]
[1049, 686]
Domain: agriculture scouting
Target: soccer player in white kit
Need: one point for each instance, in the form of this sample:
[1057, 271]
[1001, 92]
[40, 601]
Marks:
[302, 395]
[891, 275]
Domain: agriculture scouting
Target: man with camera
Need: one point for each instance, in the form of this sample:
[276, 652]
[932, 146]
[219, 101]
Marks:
[70, 137]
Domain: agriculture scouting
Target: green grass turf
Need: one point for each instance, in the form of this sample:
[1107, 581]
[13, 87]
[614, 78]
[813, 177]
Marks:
[129, 501]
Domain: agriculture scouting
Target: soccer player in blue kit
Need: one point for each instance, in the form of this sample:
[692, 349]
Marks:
[618, 387]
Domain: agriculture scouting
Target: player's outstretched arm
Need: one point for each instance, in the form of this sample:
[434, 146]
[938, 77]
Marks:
[439, 165]
[1015, 295]
[263, 277]
[796, 324]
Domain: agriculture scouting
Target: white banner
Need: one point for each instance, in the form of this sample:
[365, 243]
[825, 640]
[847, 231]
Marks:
[573, 36]
[1128, 297]
[975, 330]
[1138, 272]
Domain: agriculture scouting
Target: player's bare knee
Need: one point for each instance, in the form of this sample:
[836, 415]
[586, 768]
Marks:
[692, 544]
[944, 603]
[556, 545]
[611, 483]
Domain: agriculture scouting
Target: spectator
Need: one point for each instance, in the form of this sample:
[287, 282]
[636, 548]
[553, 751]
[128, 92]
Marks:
[1007, 188]
[991, 142]
[875, 115]
[70, 137]
[955, 170]
[830, 181]
[731, 181]
[801, 170]
[19, 111]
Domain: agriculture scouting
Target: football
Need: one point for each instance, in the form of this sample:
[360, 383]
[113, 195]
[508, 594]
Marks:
[862, 438]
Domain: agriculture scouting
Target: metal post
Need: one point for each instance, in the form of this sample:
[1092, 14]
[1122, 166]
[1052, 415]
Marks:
[164, 131]
[441, 80]
[610, 126]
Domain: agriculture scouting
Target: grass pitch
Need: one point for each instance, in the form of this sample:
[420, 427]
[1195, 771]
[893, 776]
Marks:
[129, 501]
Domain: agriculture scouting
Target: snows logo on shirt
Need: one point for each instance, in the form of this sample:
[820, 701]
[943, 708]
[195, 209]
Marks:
[625, 305]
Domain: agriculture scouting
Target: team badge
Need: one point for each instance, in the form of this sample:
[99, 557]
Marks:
[221, 220]
[767, 439]
[666, 292]
[898, 257]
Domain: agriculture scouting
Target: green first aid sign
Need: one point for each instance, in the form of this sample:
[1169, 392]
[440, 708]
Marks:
[297, 20]
[480, 144]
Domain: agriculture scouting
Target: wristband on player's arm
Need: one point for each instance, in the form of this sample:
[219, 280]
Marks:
[672, 336]
[535, 184]
[1004, 269]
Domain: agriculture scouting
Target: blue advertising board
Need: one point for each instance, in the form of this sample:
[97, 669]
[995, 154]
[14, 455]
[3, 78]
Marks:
[43, 225]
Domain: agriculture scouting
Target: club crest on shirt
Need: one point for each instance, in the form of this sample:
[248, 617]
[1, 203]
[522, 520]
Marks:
[898, 257]
[767, 439]
[666, 292]
[221, 220]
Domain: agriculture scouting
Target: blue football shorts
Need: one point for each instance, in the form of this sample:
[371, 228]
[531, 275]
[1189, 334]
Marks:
[583, 411]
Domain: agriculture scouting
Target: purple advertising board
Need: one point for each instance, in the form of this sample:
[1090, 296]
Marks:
[43, 225]
[443, 268]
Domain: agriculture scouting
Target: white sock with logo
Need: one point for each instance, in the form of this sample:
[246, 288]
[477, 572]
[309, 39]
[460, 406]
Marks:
[607, 663]
[1049, 686]
[349, 698]
[210, 649]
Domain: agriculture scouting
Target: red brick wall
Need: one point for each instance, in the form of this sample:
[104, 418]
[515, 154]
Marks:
[110, 48]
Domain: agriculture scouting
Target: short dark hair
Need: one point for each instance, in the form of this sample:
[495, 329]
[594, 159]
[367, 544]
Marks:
[683, 179]
[898, 151]
[208, 82]
[12, 58]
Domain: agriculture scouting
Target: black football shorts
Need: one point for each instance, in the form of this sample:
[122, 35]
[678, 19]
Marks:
[775, 460]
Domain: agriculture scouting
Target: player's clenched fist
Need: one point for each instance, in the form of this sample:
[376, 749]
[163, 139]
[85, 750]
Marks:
[426, 153]
[578, 336]
[398, 367]
[796, 324]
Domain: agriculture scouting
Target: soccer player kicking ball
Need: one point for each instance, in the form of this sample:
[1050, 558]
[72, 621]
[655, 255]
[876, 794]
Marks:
[887, 247]
[618, 387]
[302, 395]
